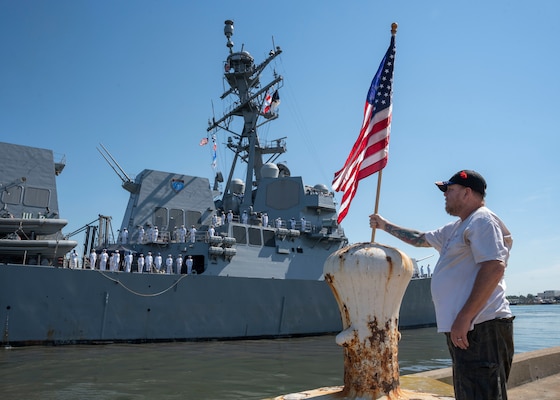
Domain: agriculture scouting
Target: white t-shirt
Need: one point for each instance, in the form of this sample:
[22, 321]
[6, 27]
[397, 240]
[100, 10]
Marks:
[463, 245]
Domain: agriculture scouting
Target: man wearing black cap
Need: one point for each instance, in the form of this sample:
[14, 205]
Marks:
[468, 287]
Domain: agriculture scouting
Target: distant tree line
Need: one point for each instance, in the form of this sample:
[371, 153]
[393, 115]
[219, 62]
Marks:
[531, 299]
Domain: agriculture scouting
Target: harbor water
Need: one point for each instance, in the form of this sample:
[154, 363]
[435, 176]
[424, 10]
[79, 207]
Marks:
[247, 369]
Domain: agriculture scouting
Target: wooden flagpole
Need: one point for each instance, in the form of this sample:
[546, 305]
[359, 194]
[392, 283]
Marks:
[394, 27]
[376, 208]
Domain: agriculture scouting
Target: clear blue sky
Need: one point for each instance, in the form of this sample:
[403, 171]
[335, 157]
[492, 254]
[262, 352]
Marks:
[476, 87]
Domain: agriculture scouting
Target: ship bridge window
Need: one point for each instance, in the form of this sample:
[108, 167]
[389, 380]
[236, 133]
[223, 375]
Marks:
[176, 217]
[255, 236]
[12, 195]
[240, 234]
[35, 197]
[269, 238]
[160, 217]
[193, 218]
[283, 194]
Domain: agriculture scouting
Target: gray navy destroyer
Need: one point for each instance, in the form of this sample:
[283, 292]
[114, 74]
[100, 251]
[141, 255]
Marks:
[252, 267]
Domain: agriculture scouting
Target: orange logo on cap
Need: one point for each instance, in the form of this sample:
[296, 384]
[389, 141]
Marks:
[463, 175]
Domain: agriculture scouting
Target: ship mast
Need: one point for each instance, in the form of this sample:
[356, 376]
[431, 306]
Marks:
[243, 77]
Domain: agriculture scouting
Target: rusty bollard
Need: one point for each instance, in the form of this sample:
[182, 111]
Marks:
[369, 281]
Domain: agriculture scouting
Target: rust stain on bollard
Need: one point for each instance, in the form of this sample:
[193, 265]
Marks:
[342, 307]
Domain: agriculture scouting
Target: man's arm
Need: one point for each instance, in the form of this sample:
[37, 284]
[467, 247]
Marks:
[410, 236]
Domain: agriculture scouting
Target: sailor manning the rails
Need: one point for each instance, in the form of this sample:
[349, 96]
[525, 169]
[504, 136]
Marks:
[265, 219]
[193, 234]
[179, 264]
[112, 262]
[182, 234]
[124, 236]
[169, 264]
[292, 223]
[141, 263]
[117, 260]
[103, 258]
[92, 259]
[149, 261]
[157, 262]
[128, 261]
[189, 263]
[74, 260]
[140, 234]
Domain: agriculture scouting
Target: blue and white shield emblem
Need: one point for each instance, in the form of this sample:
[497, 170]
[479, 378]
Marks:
[177, 185]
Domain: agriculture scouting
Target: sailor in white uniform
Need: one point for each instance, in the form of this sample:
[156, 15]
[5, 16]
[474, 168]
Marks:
[74, 264]
[182, 234]
[141, 263]
[169, 264]
[292, 223]
[103, 258]
[124, 236]
[141, 232]
[193, 234]
[179, 264]
[189, 263]
[112, 262]
[244, 217]
[117, 257]
[128, 258]
[265, 219]
[155, 234]
[92, 259]
[157, 262]
[149, 262]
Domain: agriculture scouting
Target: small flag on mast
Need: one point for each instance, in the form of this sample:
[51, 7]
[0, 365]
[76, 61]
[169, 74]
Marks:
[271, 101]
[370, 152]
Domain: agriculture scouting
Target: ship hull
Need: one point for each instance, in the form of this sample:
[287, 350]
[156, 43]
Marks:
[46, 305]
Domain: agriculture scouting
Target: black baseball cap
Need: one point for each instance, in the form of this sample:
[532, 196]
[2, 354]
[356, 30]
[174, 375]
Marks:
[467, 178]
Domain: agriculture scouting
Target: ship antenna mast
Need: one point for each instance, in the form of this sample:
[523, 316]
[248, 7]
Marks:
[243, 77]
[228, 31]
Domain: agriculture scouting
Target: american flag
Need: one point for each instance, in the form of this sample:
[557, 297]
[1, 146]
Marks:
[370, 152]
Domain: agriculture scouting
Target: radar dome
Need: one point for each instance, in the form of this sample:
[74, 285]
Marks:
[321, 188]
[269, 170]
[237, 186]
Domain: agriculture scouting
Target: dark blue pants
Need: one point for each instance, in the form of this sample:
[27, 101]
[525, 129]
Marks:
[481, 371]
